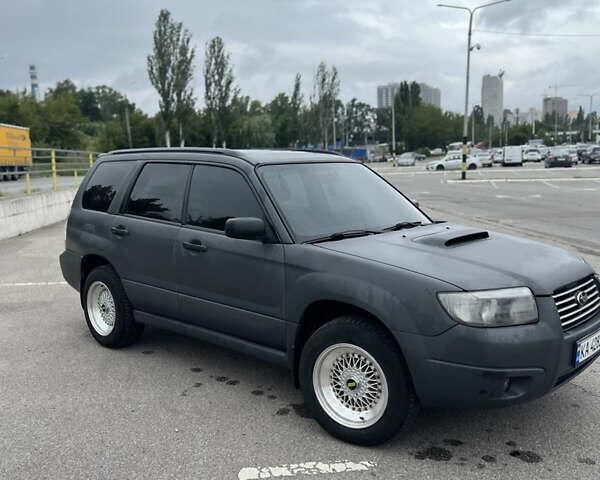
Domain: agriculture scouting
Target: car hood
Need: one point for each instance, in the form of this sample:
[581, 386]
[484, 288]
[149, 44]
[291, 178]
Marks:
[470, 258]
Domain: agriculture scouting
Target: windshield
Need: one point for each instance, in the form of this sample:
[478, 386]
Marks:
[319, 199]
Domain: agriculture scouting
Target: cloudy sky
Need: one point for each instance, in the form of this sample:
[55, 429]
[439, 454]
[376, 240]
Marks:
[371, 42]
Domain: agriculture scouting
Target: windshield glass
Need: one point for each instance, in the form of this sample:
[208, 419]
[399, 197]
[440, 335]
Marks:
[319, 199]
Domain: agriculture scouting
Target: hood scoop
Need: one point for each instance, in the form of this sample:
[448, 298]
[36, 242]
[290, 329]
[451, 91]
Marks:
[453, 237]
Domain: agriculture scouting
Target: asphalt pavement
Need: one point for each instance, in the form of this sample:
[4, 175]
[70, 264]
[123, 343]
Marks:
[170, 407]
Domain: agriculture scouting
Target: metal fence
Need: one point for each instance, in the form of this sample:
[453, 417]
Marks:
[49, 163]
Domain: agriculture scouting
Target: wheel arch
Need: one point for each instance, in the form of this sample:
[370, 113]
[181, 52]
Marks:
[88, 263]
[320, 312]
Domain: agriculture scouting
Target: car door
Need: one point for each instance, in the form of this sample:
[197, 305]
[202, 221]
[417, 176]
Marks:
[453, 162]
[146, 233]
[229, 285]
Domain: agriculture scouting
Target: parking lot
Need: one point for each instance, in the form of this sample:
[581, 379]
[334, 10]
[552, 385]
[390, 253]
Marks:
[174, 407]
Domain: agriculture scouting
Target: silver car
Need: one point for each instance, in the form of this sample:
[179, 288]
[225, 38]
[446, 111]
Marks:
[453, 161]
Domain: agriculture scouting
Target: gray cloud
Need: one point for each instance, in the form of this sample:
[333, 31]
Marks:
[370, 42]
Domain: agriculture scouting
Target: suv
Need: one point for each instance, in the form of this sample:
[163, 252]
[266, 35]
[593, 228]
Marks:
[315, 262]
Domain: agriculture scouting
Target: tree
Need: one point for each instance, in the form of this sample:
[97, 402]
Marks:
[161, 67]
[218, 87]
[183, 75]
[326, 88]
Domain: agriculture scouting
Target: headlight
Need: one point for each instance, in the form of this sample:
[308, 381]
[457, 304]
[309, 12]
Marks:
[491, 308]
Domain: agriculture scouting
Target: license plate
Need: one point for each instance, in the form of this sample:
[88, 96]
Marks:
[587, 347]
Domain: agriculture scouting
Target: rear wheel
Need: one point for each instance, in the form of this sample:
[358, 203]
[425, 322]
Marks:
[355, 381]
[108, 313]
[439, 167]
[472, 166]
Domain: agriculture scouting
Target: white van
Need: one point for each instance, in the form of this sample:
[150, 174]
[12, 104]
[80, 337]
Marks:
[512, 155]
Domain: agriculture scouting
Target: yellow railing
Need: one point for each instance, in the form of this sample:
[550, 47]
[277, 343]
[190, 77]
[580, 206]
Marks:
[43, 163]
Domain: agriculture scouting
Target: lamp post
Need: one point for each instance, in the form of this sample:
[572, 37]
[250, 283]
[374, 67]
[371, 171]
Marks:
[469, 49]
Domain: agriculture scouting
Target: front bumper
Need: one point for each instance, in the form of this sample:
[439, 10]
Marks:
[489, 367]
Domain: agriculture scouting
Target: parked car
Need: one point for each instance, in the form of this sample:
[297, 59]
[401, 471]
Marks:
[592, 154]
[498, 154]
[407, 159]
[559, 157]
[484, 157]
[316, 263]
[532, 155]
[581, 149]
[436, 152]
[512, 155]
[453, 161]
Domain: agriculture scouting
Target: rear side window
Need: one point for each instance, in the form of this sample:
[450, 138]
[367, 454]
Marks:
[158, 191]
[103, 185]
[217, 194]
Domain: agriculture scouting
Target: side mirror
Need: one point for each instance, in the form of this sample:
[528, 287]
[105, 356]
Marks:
[416, 203]
[246, 228]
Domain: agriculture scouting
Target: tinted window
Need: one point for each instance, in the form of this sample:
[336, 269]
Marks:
[103, 186]
[322, 198]
[217, 194]
[158, 191]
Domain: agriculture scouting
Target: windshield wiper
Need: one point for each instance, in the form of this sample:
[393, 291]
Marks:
[342, 235]
[402, 226]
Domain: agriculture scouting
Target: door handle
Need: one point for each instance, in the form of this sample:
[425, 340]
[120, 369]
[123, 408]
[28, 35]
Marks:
[119, 230]
[195, 245]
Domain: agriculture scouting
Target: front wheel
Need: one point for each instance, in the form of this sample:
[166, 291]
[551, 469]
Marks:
[439, 168]
[355, 381]
[472, 166]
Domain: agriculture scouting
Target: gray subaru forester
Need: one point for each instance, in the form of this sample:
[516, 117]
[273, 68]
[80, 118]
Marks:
[314, 262]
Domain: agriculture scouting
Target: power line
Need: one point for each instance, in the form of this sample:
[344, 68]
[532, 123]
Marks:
[525, 34]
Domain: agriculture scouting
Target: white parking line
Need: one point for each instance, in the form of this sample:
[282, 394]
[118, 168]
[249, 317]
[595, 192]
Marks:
[494, 185]
[549, 184]
[526, 180]
[31, 284]
[306, 468]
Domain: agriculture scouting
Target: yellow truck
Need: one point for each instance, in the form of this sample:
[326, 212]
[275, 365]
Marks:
[15, 151]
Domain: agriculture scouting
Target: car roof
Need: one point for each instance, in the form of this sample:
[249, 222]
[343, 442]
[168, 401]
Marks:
[254, 156]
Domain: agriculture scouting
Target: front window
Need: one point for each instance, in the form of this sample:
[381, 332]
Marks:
[320, 199]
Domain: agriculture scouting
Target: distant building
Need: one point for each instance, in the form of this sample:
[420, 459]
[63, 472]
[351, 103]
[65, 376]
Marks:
[492, 98]
[431, 95]
[555, 104]
[34, 82]
[572, 115]
[386, 94]
[508, 116]
[533, 115]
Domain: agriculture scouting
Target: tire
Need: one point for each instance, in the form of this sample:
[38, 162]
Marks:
[439, 168]
[393, 403]
[104, 301]
[472, 166]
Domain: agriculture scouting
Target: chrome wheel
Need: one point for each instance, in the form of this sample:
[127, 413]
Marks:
[101, 308]
[350, 385]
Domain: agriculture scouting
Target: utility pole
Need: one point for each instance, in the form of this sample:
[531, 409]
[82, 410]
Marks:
[128, 125]
[473, 126]
[393, 129]
[469, 49]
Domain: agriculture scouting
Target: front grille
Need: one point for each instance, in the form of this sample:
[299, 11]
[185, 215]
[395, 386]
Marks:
[572, 310]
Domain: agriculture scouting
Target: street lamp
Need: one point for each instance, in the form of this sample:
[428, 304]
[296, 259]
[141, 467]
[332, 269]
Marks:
[469, 49]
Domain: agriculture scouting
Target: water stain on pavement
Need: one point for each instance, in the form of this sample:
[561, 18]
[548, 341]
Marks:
[511, 443]
[452, 442]
[282, 411]
[271, 397]
[222, 379]
[196, 369]
[197, 384]
[233, 382]
[148, 352]
[586, 461]
[526, 456]
[438, 454]
[489, 459]
[257, 392]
